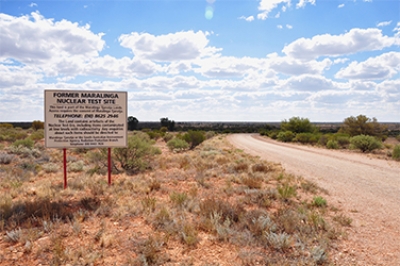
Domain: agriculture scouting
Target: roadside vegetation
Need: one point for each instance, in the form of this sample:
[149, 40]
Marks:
[197, 201]
[356, 133]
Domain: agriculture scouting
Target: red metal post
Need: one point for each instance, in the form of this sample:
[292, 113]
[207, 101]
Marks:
[109, 166]
[65, 168]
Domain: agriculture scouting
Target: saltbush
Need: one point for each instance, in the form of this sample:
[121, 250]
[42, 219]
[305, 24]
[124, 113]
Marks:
[6, 158]
[177, 144]
[396, 152]
[365, 143]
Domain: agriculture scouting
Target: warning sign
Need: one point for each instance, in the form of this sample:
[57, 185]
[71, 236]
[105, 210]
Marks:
[85, 119]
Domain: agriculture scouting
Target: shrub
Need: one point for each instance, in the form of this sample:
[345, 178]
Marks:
[305, 138]
[323, 140]
[168, 136]
[37, 135]
[362, 125]
[332, 144]
[285, 136]
[298, 125]
[28, 143]
[343, 141]
[398, 137]
[273, 134]
[194, 138]
[137, 155]
[6, 158]
[76, 166]
[50, 168]
[36, 125]
[365, 143]
[396, 152]
[177, 144]
[209, 134]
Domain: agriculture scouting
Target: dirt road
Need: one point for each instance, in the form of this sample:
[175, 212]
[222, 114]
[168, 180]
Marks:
[365, 188]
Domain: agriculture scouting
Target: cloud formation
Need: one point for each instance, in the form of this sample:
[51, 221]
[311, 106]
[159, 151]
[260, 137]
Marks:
[356, 40]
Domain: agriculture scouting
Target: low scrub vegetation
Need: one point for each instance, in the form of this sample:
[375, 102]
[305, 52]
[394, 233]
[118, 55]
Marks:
[357, 133]
[365, 143]
[169, 208]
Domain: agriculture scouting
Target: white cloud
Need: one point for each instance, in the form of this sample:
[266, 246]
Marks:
[355, 40]
[397, 30]
[248, 19]
[266, 6]
[308, 82]
[383, 23]
[289, 26]
[32, 4]
[303, 3]
[36, 39]
[184, 45]
[380, 67]
[279, 26]
[291, 66]
[11, 76]
[340, 60]
[341, 6]
[227, 66]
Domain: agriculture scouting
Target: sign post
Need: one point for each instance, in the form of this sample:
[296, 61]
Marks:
[85, 119]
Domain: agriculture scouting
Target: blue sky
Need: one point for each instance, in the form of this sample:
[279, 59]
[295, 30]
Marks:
[198, 60]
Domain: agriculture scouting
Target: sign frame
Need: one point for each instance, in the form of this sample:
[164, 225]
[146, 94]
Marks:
[85, 119]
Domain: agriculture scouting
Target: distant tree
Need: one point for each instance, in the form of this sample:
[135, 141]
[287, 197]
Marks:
[37, 125]
[132, 123]
[362, 125]
[298, 125]
[170, 124]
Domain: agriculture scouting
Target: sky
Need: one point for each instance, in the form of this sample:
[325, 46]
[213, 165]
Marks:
[206, 60]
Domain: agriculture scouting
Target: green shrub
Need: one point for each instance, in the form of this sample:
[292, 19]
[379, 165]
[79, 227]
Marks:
[285, 136]
[332, 144]
[177, 144]
[194, 138]
[138, 154]
[343, 141]
[396, 152]
[36, 125]
[323, 140]
[168, 136]
[365, 143]
[398, 137]
[298, 125]
[28, 143]
[156, 134]
[273, 134]
[37, 135]
[306, 138]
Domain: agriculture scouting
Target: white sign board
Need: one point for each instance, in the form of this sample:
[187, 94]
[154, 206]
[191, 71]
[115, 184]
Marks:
[85, 119]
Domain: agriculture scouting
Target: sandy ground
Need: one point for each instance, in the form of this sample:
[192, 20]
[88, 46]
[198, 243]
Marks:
[365, 188]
